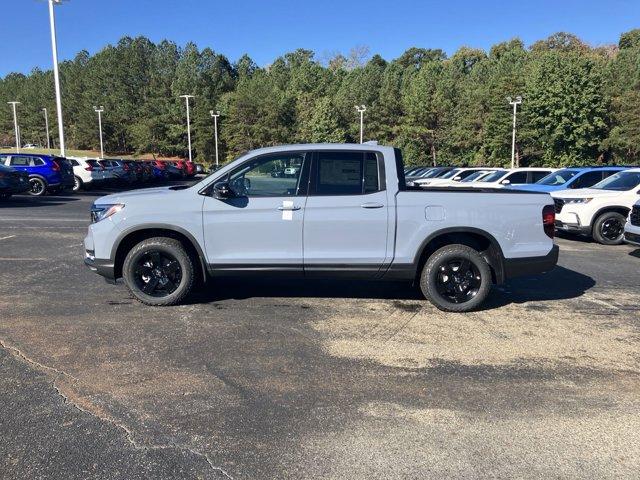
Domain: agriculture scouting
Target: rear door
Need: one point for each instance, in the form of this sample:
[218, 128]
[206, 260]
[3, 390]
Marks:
[346, 216]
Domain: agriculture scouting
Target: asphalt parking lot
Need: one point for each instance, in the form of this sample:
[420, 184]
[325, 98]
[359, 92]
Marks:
[290, 379]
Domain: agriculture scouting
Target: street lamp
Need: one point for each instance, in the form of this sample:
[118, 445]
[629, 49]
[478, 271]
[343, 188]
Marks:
[46, 126]
[186, 99]
[515, 104]
[15, 124]
[215, 116]
[99, 112]
[361, 109]
[56, 73]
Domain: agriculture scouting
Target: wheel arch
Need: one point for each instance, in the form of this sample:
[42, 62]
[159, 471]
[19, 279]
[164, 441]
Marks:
[610, 208]
[129, 238]
[478, 239]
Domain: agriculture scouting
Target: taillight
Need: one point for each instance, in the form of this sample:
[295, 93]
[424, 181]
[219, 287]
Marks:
[89, 168]
[56, 166]
[125, 166]
[549, 220]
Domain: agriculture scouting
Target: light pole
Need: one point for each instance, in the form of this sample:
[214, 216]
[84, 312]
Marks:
[46, 126]
[361, 109]
[15, 124]
[99, 112]
[56, 73]
[515, 104]
[186, 99]
[215, 116]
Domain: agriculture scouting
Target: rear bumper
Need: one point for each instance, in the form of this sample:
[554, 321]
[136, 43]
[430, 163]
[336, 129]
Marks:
[518, 267]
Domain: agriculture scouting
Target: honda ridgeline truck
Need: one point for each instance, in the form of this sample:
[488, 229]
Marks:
[345, 212]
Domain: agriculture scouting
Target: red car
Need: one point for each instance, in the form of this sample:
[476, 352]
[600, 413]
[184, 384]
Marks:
[191, 168]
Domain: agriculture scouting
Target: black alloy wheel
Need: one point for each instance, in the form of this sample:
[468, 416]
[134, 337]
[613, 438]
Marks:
[608, 229]
[37, 187]
[458, 280]
[157, 274]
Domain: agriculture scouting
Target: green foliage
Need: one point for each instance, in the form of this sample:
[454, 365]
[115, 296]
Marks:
[581, 105]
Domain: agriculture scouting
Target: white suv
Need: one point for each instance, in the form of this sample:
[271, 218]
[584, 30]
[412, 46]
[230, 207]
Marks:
[632, 227]
[599, 211]
[512, 177]
[452, 177]
[87, 172]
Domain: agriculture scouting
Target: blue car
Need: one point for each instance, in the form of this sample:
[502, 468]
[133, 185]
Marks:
[47, 174]
[571, 178]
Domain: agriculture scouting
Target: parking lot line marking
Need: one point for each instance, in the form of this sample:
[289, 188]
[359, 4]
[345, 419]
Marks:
[601, 302]
[24, 259]
[6, 238]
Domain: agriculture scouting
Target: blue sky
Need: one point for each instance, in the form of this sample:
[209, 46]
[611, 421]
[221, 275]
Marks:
[266, 29]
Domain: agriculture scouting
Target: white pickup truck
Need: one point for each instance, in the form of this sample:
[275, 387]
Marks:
[345, 212]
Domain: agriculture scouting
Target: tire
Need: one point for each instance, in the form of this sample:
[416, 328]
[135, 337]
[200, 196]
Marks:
[78, 184]
[154, 267]
[608, 229]
[454, 292]
[38, 187]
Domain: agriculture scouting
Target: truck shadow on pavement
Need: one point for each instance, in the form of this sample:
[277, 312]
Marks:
[559, 284]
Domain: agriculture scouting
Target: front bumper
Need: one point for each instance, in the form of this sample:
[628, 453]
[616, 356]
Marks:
[102, 267]
[632, 234]
[519, 267]
[571, 227]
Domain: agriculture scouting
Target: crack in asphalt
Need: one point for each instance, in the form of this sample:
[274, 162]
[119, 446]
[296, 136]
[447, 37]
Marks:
[129, 434]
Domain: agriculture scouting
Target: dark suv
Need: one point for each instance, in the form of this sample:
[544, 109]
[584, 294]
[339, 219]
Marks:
[47, 174]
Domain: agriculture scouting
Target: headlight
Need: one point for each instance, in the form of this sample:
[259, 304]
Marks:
[100, 212]
[577, 200]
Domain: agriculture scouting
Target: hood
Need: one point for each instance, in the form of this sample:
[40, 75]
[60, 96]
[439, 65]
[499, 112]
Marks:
[586, 192]
[535, 187]
[133, 195]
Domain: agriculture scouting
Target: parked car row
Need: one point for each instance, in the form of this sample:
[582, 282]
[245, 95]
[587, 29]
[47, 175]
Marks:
[39, 174]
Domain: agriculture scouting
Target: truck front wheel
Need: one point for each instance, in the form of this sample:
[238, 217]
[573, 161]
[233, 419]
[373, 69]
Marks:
[159, 272]
[456, 279]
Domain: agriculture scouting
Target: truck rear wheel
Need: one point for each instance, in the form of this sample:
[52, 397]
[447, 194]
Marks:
[159, 272]
[456, 279]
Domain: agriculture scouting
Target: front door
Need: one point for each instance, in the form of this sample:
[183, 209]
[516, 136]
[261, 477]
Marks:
[260, 228]
[346, 215]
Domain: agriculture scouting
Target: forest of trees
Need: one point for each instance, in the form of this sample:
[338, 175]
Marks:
[581, 105]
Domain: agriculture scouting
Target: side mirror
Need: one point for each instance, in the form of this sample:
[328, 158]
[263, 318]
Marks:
[505, 182]
[222, 191]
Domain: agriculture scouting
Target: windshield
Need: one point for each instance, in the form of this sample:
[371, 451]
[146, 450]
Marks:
[494, 176]
[451, 173]
[621, 181]
[474, 176]
[558, 178]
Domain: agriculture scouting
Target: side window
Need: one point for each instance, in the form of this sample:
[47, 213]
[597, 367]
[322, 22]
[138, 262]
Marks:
[587, 179]
[608, 173]
[20, 161]
[3, 159]
[517, 177]
[276, 175]
[536, 176]
[36, 162]
[74, 163]
[346, 173]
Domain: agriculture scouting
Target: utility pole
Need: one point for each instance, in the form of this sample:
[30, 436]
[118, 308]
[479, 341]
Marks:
[215, 116]
[46, 126]
[361, 109]
[99, 112]
[15, 124]
[515, 104]
[186, 99]
[56, 73]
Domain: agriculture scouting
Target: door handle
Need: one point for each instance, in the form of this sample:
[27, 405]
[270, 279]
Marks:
[372, 205]
[294, 207]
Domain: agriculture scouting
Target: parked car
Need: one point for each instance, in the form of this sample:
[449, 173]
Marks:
[85, 173]
[347, 198]
[120, 169]
[571, 178]
[511, 177]
[632, 227]
[200, 169]
[599, 211]
[30, 146]
[173, 171]
[453, 175]
[435, 172]
[190, 168]
[12, 181]
[47, 174]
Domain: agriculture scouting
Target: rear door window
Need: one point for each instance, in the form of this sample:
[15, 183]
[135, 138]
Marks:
[346, 173]
[517, 177]
[537, 176]
[587, 179]
[20, 161]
